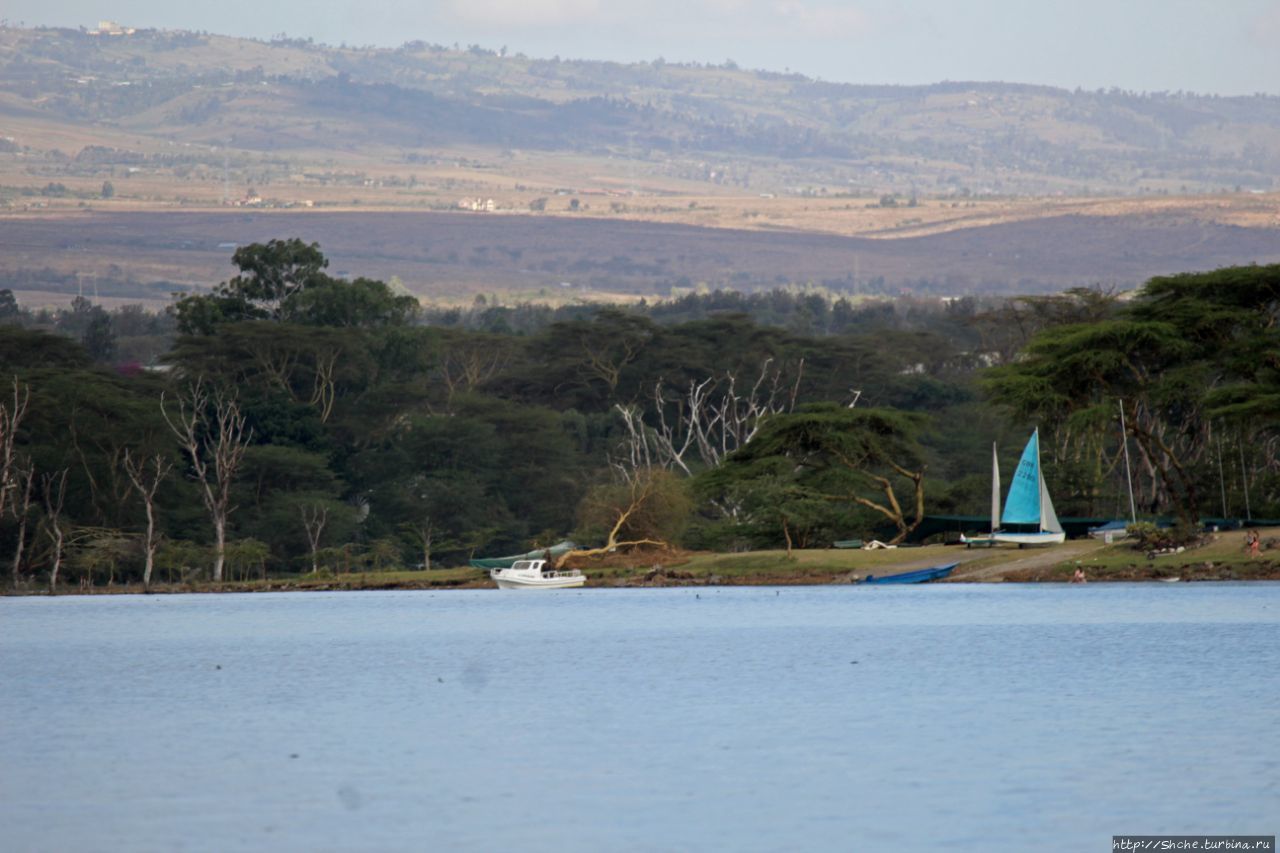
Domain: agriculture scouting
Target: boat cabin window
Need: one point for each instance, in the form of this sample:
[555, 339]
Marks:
[532, 565]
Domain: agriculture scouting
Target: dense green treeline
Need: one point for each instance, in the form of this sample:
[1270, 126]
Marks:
[809, 310]
[299, 422]
[1194, 363]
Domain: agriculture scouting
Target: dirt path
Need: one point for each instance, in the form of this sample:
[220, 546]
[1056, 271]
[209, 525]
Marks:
[1036, 558]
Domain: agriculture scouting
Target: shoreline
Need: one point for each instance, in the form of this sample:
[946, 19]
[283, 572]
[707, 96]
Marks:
[1221, 560]
[664, 583]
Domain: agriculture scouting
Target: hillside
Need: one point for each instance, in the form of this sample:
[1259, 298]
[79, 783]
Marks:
[129, 161]
[185, 106]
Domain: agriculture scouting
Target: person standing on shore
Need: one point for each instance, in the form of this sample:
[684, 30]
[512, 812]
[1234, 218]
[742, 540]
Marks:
[1252, 541]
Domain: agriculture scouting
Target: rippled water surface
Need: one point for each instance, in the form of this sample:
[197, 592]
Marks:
[970, 717]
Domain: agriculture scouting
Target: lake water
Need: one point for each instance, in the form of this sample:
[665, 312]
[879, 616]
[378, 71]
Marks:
[970, 717]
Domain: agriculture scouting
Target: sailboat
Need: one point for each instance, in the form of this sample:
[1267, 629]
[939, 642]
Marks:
[1028, 502]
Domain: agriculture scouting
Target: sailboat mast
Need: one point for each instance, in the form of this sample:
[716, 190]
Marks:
[995, 489]
[1039, 484]
[1128, 475]
[1244, 480]
[1222, 478]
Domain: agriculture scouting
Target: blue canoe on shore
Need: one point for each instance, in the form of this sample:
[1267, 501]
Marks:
[917, 576]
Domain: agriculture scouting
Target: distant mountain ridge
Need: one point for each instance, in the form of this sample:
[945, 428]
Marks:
[751, 130]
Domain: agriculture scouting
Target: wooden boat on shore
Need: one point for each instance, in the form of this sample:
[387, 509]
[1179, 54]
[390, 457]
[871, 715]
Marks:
[916, 576]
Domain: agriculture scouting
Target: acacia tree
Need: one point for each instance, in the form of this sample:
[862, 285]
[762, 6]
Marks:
[1187, 350]
[244, 554]
[832, 453]
[54, 488]
[311, 366]
[648, 507]
[1072, 379]
[607, 345]
[589, 358]
[469, 359]
[423, 531]
[211, 431]
[383, 552]
[146, 476]
[1005, 330]
[771, 504]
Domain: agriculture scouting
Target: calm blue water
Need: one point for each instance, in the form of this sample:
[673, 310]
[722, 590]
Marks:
[975, 717]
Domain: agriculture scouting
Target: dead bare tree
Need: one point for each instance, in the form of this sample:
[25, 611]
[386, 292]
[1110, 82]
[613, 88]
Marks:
[146, 476]
[644, 447]
[211, 431]
[314, 518]
[54, 489]
[24, 476]
[710, 419]
[11, 413]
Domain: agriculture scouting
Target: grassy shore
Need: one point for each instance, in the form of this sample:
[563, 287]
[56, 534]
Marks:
[1224, 558]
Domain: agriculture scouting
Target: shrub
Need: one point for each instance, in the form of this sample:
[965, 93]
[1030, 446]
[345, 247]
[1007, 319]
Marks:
[1148, 536]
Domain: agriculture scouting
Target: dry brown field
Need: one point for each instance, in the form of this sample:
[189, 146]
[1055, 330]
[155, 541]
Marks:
[145, 253]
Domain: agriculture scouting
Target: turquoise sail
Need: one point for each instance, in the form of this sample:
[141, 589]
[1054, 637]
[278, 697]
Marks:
[1023, 504]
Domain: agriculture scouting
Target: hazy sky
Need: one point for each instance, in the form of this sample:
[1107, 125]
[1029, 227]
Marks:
[1219, 46]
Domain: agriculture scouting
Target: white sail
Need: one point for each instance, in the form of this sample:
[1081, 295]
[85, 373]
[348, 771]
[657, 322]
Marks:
[1048, 518]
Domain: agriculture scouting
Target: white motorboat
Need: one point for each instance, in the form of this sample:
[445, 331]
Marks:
[535, 574]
